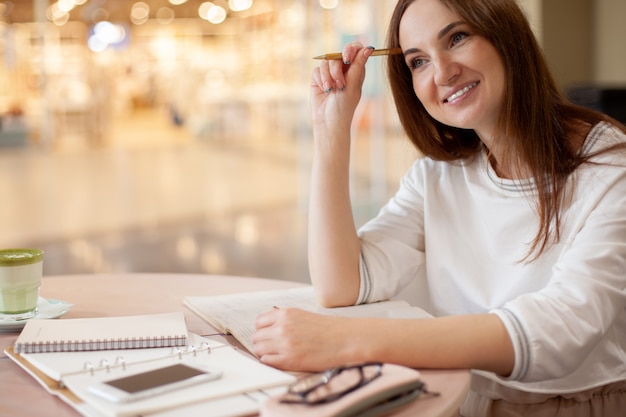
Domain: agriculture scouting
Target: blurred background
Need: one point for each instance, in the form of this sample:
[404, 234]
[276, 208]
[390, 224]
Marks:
[174, 136]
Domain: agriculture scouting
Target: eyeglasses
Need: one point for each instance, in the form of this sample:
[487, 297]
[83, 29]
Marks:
[330, 385]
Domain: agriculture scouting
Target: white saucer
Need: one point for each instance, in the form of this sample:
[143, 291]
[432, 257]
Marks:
[46, 309]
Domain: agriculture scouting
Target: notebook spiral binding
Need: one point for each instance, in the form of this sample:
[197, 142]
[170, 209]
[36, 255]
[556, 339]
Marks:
[120, 363]
[100, 344]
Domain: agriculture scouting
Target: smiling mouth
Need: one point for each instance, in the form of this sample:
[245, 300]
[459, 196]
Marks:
[461, 92]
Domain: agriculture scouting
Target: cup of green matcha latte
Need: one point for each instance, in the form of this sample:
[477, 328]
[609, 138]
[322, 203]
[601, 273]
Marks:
[20, 278]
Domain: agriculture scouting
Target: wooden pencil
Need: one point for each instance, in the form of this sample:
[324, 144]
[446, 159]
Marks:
[377, 52]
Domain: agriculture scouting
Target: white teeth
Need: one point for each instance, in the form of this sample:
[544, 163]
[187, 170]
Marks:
[460, 92]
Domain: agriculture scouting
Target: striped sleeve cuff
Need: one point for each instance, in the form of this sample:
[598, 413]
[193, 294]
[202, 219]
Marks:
[365, 289]
[521, 346]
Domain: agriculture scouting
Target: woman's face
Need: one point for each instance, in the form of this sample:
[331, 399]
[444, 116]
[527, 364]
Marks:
[457, 75]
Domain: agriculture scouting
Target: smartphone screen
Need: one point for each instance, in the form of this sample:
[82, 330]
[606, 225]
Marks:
[150, 383]
[156, 378]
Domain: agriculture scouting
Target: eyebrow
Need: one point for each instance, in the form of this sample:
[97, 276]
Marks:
[448, 28]
[443, 32]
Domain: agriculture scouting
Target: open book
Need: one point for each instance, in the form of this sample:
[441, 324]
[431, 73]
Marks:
[236, 313]
[69, 374]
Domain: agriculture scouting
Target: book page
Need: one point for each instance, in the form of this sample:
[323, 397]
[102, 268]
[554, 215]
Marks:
[236, 313]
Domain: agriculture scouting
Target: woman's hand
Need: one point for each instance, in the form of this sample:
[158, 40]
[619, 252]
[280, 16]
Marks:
[336, 88]
[298, 340]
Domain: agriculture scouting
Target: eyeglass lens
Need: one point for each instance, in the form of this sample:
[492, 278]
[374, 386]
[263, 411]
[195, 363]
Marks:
[343, 381]
[307, 383]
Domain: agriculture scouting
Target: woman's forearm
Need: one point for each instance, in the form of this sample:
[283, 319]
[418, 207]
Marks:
[477, 341]
[298, 340]
[334, 247]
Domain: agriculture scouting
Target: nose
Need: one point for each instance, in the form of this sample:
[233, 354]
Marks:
[446, 70]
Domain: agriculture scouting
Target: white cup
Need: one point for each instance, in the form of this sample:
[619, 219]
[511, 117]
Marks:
[20, 278]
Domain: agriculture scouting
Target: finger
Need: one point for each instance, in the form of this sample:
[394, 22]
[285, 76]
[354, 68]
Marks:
[262, 346]
[275, 360]
[363, 55]
[316, 79]
[292, 363]
[266, 319]
[350, 51]
[266, 340]
[338, 71]
[321, 79]
[357, 68]
[327, 81]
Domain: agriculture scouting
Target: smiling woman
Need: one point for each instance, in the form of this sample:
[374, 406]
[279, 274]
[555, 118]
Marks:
[448, 59]
[511, 226]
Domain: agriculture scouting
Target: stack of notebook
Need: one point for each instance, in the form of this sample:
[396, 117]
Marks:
[68, 356]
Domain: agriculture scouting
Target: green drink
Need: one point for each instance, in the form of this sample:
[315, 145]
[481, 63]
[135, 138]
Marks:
[20, 279]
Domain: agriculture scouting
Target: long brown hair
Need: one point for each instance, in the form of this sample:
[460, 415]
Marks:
[538, 127]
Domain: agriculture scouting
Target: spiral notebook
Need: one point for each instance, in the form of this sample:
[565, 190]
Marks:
[69, 374]
[103, 333]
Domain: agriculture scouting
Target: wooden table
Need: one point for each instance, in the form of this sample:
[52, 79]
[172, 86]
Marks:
[130, 294]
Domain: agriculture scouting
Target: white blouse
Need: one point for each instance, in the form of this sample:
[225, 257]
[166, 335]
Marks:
[464, 233]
